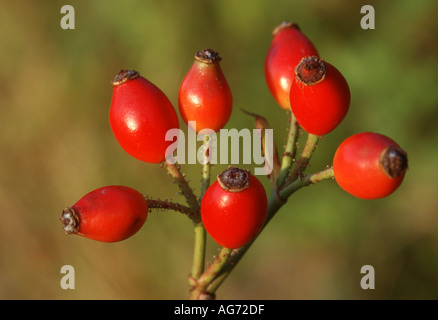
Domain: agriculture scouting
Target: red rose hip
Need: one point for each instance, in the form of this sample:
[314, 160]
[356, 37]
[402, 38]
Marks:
[140, 115]
[204, 95]
[288, 47]
[234, 208]
[319, 96]
[107, 214]
[369, 165]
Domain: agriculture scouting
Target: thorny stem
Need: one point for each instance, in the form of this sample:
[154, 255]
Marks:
[220, 268]
[169, 205]
[289, 151]
[199, 230]
[187, 192]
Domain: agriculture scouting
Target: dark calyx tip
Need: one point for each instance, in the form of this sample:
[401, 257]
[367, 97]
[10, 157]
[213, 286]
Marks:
[311, 70]
[394, 161]
[70, 221]
[208, 56]
[125, 75]
[234, 179]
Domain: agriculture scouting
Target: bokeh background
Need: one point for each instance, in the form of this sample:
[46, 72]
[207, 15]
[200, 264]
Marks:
[56, 145]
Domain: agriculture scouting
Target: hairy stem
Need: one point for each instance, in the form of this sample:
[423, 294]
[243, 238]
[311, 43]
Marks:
[186, 191]
[289, 151]
[169, 205]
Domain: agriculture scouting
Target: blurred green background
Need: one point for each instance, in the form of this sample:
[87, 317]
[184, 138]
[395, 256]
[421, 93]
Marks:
[56, 145]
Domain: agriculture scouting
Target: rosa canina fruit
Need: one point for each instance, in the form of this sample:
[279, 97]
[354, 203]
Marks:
[369, 165]
[289, 45]
[234, 208]
[107, 214]
[140, 115]
[319, 96]
[204, 95]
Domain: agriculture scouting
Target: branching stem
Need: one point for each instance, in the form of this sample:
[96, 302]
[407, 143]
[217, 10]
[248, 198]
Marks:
[311, 143]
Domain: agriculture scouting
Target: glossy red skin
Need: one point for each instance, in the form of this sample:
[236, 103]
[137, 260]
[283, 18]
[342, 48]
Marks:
[357, 168]
[321, 107]
[288, 47]
[233, 219]
[205, 96]
[140, 115]
[111, 214]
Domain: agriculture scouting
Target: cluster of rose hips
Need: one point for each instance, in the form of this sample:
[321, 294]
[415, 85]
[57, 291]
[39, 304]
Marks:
[234, 208]
[366, 165]
[140, 116]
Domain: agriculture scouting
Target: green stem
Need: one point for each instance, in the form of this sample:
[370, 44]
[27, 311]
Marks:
[311, 143]
[199, 250]
[218, 264]
[200, 232]
[205, 181]
[289, 151]
[306, 180]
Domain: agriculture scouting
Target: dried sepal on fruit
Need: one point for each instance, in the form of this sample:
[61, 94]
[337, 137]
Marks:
[107, 214]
